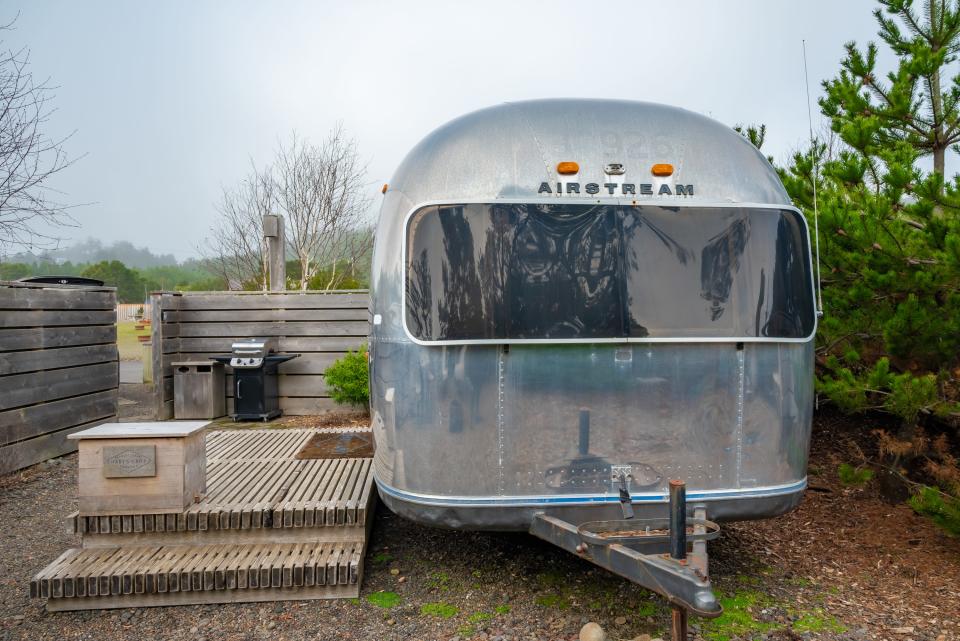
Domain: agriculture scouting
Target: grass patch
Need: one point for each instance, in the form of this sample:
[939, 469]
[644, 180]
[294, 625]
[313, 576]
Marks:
[552, 601]
[817, 622]
[384, 599]
[502, 609]
[439, 580]
[380, 558]
[647, 609]
[852, 476]
[737, 620]
[440, 609]
[550, 579]
[479, 617]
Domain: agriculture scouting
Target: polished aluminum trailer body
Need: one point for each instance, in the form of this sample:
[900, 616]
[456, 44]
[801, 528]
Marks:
[479, 417]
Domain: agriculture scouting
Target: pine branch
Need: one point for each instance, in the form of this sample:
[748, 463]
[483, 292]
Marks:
[912, 23]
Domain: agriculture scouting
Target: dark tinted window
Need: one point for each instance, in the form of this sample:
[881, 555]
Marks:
[525, 271]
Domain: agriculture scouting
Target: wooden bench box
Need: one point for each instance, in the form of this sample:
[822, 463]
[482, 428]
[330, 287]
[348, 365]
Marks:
[141, 467]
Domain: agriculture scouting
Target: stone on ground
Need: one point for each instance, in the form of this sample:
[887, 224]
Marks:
[592, 632]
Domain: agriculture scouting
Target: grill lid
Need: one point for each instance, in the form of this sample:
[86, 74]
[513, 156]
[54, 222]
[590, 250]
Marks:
[250, 353]
[254, 347]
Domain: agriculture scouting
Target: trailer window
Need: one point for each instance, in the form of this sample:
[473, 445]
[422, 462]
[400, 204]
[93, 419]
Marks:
[559, 271]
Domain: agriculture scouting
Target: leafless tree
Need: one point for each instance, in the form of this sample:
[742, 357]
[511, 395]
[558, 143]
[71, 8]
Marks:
[357, 250]
[28, 158]
[235, 247]
[321, 192]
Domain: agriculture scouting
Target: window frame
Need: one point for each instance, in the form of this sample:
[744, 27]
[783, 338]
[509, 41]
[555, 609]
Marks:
[562, 200]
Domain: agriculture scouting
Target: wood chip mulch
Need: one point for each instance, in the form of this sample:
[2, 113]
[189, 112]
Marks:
[871, 564]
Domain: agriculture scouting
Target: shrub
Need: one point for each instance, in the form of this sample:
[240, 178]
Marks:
[850, 475]
[348, 379]
[942, 509]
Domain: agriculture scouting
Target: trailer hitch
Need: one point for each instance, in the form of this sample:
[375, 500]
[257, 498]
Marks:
[650, 552]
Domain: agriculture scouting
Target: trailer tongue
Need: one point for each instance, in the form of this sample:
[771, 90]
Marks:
[653, 553]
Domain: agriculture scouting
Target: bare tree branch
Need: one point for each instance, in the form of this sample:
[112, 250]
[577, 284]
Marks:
[235, 247]
[28, 158]
[321, 193]
[320, 190]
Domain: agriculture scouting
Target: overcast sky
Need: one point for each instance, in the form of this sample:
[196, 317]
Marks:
[171, 100]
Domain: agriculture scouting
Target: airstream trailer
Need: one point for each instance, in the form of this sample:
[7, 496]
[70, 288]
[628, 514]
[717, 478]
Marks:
[575, 302]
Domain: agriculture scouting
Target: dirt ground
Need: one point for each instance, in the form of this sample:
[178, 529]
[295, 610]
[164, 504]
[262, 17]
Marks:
[845, 565]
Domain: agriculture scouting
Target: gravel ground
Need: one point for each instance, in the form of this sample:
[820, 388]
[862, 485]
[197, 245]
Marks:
[843, 566]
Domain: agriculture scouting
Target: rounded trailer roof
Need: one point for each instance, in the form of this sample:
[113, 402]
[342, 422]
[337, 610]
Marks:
[509, 150]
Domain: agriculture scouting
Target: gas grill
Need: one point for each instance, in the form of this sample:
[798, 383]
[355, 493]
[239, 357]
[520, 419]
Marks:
[255, 362]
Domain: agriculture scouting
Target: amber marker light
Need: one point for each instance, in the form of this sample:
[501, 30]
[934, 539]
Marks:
[384, 190]
[662, 169]
[567, 168]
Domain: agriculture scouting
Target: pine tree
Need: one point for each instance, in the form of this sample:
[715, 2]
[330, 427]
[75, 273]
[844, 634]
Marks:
[912, 106]
[890, 242]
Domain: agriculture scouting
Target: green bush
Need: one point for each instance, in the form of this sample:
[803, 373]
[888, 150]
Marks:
[889, 242]
[348, 379]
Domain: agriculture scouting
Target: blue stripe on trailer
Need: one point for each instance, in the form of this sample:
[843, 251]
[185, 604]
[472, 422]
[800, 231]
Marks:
[522, 501]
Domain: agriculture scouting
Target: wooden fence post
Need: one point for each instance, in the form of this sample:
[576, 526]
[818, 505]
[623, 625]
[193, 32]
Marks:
[273, 235]
[161, 333]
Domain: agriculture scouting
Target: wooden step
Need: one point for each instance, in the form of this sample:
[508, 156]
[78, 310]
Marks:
[251, 494]
[133, 576]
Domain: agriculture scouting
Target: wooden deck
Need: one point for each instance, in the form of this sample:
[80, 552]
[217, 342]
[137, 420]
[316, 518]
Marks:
[270, 527]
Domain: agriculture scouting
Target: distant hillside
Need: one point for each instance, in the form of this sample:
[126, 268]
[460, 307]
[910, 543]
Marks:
[92, 250]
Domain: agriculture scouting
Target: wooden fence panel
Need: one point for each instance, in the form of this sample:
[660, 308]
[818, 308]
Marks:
[38, 360]
[51, 337]
[275, 300]
[57, 317]
[58, 368]
[321, 327]
[22, 298]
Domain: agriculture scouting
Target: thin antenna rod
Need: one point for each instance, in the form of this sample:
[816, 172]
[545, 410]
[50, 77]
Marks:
[813, 151]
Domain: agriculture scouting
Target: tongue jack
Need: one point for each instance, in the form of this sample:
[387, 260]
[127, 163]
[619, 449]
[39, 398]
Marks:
[626, 503]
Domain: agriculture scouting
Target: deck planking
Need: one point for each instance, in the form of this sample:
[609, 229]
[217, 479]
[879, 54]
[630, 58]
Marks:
[270, 527]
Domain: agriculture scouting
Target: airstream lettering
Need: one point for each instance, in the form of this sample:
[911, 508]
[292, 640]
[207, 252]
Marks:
[554, 364]
[626, 189]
